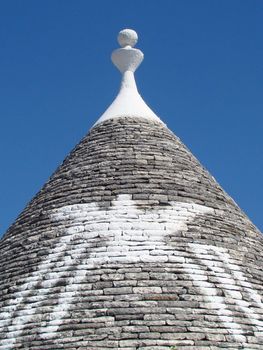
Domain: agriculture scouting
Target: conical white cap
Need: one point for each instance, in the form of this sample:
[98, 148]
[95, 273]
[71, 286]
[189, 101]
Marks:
[128, 102]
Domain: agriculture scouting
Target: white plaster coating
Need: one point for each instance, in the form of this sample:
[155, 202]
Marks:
[130, 234]
[128, 102]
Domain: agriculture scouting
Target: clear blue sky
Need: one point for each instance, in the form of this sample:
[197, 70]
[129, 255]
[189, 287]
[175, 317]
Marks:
[202, 74]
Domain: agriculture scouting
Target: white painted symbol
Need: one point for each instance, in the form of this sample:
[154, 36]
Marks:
[130, 234]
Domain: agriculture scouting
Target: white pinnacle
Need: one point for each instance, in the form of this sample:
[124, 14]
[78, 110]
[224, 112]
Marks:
[128, 102]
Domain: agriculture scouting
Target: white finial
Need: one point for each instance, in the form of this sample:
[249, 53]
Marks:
[128, 102]
[127, 58]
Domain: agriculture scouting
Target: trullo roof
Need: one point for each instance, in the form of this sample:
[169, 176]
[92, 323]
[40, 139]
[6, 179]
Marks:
[131, 244]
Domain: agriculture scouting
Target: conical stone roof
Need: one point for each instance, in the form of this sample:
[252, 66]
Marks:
[131, 244]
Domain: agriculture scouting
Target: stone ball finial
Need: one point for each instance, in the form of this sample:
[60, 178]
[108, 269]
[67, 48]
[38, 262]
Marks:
[127, 37]
[127, 58]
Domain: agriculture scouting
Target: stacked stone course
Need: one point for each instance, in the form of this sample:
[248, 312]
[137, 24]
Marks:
[131, 245]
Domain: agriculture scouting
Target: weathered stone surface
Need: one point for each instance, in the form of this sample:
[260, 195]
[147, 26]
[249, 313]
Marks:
[131, 245]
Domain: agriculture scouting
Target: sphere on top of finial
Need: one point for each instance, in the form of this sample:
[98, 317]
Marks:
[127, 37]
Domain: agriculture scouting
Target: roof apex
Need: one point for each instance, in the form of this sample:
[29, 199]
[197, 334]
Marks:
[128, 102]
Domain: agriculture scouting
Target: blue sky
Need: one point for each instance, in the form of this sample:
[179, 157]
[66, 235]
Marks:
[202, 74]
